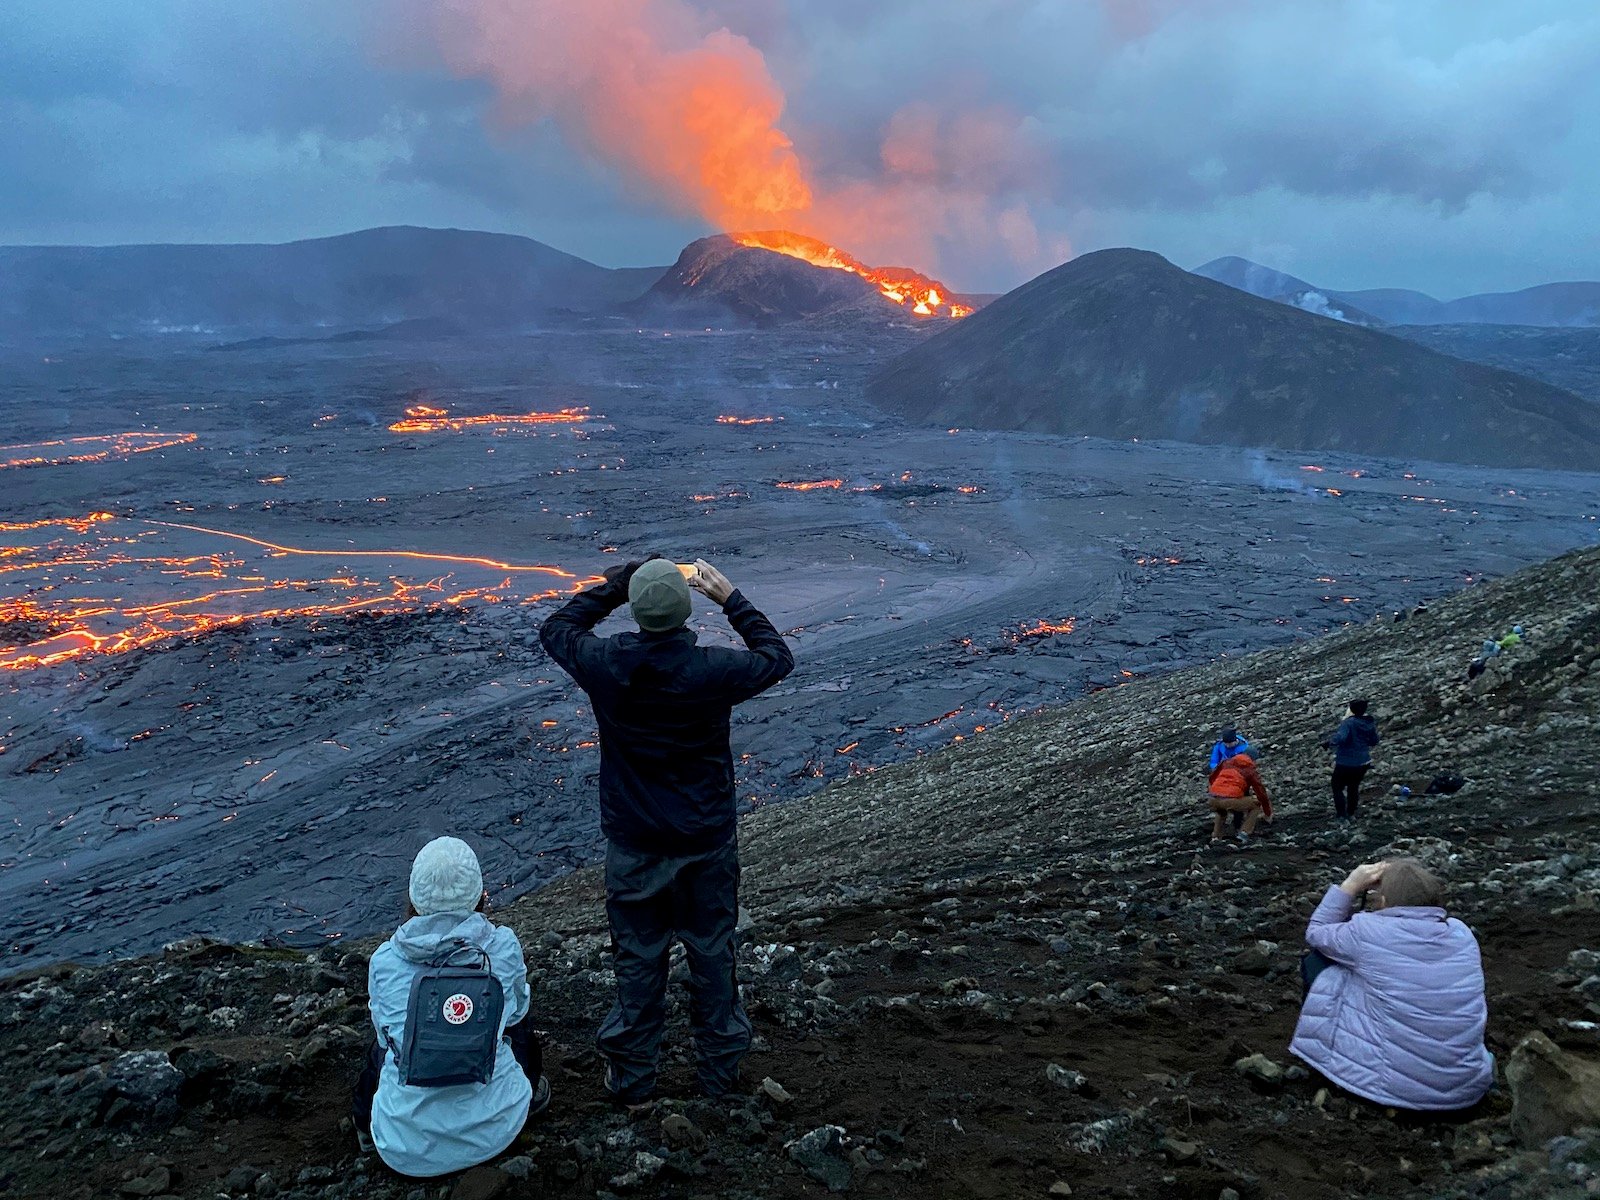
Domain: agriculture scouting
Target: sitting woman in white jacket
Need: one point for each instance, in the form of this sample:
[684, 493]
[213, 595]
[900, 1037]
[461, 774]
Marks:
[453, 966]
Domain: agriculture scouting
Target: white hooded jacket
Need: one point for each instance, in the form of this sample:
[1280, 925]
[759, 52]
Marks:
[423, 1132]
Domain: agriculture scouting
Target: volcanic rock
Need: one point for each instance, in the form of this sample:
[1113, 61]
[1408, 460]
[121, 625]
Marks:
[481, 1183]
[1553, 1092]
[1261, 1071]
[147, 1081]
[716, 279]
[1121, 343]
[820, 1154]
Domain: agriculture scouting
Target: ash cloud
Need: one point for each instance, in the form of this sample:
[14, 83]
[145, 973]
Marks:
[1428, 144]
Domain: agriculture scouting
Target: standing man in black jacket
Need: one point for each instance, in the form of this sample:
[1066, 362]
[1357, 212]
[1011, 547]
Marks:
[667, 805]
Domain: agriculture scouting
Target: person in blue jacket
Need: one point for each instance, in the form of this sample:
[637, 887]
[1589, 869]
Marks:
[1352, 745]
[429, 1131]
[1228, 744]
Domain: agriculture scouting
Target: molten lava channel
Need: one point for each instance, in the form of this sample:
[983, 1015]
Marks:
[91, 449]
[911, 290]
[99, 584]
[421, 418]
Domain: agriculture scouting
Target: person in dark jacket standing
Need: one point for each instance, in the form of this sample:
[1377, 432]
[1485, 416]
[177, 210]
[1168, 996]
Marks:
[1352, 745]
[667, 805]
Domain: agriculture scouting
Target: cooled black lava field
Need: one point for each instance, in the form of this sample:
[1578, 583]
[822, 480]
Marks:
[257, 643]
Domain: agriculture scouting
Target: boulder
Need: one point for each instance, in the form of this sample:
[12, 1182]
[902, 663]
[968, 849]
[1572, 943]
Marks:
[820, 1154]
[147, 1083]
[1263, 1074]
[1553, 1093]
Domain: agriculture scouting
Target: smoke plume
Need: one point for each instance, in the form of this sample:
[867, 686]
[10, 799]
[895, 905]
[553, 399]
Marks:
[690, 114]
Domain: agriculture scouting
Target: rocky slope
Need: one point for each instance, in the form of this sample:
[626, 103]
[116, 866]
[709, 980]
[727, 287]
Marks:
[1006, 969]
[1566, 358]
[1121, 343]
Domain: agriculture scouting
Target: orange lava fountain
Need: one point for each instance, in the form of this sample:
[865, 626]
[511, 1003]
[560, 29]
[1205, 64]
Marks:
[68, 592]
[909, 289]
[420, 418]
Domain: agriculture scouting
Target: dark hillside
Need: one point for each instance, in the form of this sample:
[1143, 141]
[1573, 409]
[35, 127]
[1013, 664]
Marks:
[1003, 967]
[372, 277]
[1123, 344]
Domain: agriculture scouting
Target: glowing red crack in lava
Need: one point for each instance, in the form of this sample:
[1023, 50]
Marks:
[420, 418]
[74, 587]
[96, 448]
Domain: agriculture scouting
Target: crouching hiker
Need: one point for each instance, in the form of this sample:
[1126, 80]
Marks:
[446, 1083]
[1236, 787]
[667, 807]
[1394, 1006]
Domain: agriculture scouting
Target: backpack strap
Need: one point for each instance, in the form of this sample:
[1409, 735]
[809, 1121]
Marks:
[449, 950]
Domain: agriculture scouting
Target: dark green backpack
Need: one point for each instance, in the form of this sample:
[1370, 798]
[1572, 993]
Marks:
[452, 1021]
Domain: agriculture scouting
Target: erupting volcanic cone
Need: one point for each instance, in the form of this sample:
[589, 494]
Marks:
[899, 285]
[773, 277]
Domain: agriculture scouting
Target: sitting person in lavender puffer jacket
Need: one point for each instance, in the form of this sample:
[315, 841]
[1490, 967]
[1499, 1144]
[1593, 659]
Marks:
[1394, 1008]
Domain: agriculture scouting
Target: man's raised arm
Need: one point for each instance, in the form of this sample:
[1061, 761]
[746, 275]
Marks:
[568, 633]
[769, 659]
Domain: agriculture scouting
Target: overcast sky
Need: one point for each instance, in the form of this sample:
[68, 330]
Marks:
[1447, 145]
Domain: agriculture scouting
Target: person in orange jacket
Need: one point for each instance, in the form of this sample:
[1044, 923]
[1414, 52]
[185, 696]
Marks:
[1236, 787]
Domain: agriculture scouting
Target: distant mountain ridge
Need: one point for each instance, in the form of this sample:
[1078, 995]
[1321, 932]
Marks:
[372, 277]
[1121, 343]
[1549, 304]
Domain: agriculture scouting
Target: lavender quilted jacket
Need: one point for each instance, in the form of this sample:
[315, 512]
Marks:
[1399, 1018]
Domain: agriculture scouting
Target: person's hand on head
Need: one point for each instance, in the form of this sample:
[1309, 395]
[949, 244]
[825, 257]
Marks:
[1362, 880]
[710, 581]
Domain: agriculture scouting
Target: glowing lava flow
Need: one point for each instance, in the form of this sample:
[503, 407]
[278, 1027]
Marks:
[186, 584]
[909, 289]
[97, 448]
[1044, 629]
[420, 418]
[810, 485]
[730, 420]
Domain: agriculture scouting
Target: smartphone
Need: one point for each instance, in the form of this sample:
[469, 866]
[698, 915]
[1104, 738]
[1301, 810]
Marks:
[687, 569]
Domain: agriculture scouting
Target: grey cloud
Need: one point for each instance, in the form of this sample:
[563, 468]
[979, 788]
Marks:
[1196, 127]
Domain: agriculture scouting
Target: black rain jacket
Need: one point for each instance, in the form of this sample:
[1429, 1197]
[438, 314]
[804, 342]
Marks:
[663, 704]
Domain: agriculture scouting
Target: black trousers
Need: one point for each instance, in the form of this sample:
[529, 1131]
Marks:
[652, 900]
[1312, 964]
[1346, 784]
[524, 1048]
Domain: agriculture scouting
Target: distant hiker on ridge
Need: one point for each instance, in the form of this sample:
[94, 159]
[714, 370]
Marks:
[1352, 745]
[1236, 787]
[1394, 997]
[667, 808]
[455, 1070]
